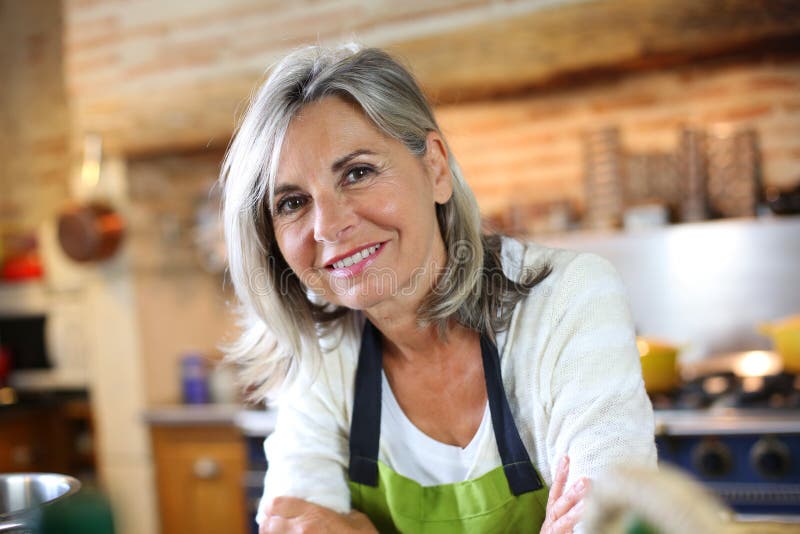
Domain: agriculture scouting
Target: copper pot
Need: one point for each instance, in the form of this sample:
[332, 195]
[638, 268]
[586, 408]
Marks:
[90, 232]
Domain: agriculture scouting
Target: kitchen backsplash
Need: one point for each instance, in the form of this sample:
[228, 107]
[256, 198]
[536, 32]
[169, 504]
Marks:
[704, 286]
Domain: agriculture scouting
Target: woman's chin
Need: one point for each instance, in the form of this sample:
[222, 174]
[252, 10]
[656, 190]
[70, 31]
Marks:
[358, 302]
[358, 298]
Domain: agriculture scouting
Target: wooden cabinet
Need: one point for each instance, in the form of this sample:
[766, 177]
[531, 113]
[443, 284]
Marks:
[19, 446]
[55, 435]
[200, 472]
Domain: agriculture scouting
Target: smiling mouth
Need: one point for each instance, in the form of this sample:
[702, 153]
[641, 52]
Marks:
[359, 256]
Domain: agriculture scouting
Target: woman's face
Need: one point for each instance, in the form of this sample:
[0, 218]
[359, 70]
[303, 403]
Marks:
[354, 210]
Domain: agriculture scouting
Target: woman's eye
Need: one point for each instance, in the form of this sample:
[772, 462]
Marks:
[290, 205]
[356, 174]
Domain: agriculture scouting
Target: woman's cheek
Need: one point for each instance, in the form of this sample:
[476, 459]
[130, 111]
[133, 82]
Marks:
[300, 262]
[288, 246]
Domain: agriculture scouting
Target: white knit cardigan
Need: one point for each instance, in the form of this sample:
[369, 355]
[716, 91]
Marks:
[570, 367]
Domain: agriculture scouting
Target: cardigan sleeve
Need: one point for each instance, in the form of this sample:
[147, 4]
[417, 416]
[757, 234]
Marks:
[307, 453]
[600, 414]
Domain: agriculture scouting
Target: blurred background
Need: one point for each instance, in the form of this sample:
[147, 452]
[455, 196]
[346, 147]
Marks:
[663, 134]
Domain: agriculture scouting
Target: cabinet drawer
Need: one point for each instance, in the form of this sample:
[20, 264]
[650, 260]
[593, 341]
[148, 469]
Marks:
[18, 447]
[32, 440]
[200, 473]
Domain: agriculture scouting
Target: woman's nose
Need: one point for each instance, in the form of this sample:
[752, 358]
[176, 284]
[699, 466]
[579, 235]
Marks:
[332, 219]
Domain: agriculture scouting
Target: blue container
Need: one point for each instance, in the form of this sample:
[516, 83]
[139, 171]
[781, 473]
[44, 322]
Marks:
[194, 379]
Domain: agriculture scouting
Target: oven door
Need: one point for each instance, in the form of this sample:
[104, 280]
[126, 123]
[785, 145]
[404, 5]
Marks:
[750, 459]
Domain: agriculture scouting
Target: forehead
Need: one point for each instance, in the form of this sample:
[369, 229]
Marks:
[324, 131]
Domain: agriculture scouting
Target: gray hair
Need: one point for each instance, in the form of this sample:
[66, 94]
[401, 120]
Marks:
[279, 322]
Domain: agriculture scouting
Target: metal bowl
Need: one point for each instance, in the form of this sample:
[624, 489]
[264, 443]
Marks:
[23, 494]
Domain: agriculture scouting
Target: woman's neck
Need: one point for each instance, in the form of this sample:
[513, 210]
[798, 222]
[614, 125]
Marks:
[404, 340]
[396, 317]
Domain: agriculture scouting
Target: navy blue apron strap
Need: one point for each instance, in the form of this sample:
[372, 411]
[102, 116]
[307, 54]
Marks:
[366, 422]
[520, 473]
[365, 427]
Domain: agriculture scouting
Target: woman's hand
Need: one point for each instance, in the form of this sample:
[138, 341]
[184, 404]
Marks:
[296, 516]
[564, 509]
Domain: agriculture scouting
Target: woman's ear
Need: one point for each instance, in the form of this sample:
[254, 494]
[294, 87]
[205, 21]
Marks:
[438, 168]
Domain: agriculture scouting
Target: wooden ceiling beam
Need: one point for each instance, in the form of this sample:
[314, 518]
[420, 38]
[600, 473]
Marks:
[569, 43]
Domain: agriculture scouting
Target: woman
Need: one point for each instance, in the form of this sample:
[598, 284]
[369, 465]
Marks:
[431, 378]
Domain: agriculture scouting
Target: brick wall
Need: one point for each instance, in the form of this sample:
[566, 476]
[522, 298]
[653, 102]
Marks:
[150, 75]
[527, 150]
[180, 306]
[34, 118]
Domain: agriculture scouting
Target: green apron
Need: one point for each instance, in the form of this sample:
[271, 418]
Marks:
[510, 498]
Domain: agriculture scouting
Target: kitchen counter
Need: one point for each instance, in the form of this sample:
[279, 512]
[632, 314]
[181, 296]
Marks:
[728, 421]
[251, 422]
[257, 423]
[261, 422]
[24, 399]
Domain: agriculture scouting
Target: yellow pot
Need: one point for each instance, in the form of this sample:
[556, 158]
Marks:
[659, 365]
[785, 335]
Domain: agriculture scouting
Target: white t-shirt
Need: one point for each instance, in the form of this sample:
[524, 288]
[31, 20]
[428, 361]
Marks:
[417, 456]
[571, 373]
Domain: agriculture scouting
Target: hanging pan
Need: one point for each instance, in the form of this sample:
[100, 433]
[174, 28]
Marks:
[90, 232]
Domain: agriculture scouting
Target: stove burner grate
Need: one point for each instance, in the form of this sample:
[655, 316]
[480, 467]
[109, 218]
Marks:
[727, 390]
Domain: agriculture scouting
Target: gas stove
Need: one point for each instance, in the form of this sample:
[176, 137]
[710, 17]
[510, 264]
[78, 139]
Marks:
[740, 436]
[721, 390]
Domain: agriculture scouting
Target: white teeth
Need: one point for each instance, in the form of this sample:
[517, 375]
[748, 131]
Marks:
[355, 258]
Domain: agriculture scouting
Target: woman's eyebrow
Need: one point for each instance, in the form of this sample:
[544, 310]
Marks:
[341, 162]
[284, 188]
[335, 167]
